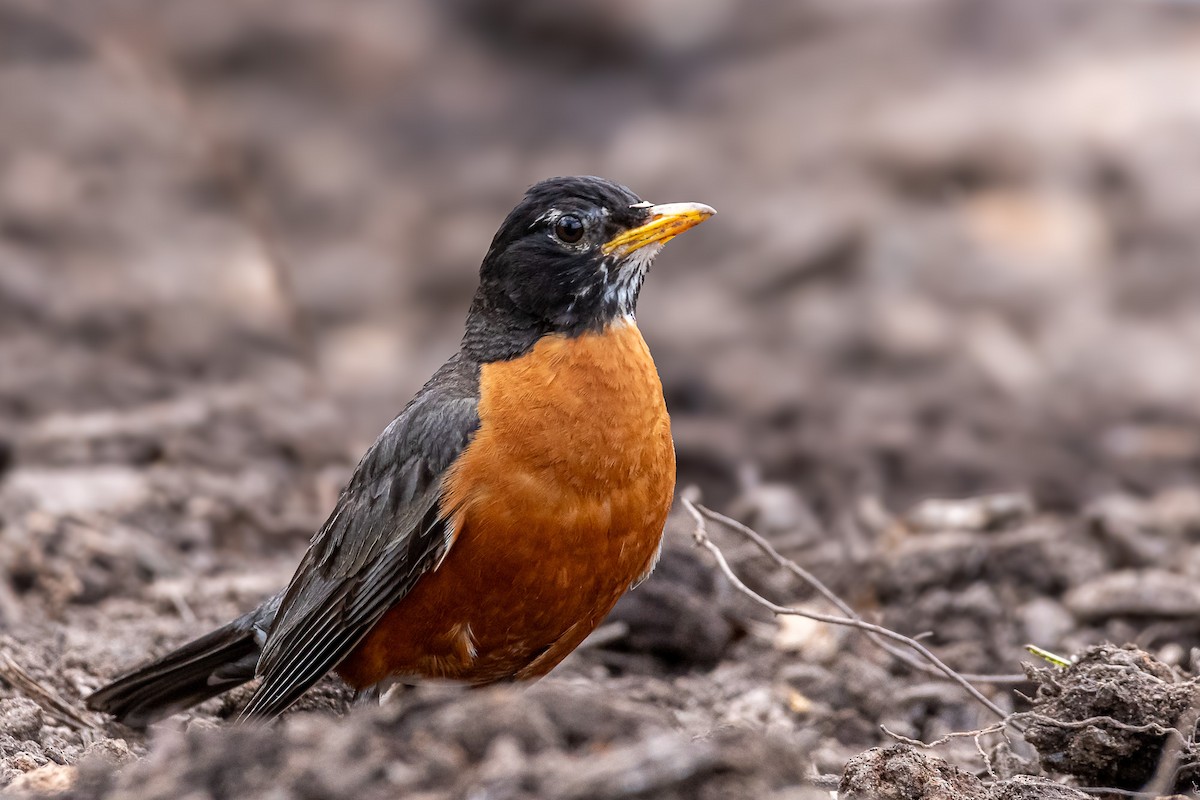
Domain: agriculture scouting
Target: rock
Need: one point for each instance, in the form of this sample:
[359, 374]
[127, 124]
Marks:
[777, 510]
[113, 752]
[813, 641]
[21, 718]
[50, 779]
[1026, 787]
[971, 514]
[1043, 556]
[1142, 593]
[901, 773]
[1045, 621]
[78, 491]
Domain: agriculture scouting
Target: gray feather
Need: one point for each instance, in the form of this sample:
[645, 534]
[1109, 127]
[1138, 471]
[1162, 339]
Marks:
[384, 534]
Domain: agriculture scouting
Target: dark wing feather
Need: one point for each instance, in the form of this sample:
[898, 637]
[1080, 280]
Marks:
[384, 534]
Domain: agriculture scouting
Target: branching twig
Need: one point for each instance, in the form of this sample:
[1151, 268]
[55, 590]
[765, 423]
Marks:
[976, 736]
[812, 580]
[995, 728]
[700, 535]
[1178, 737]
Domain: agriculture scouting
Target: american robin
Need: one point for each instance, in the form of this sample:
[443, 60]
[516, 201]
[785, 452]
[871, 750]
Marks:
[496, 521]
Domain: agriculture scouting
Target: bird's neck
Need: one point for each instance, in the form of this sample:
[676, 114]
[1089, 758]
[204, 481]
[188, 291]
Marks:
[498, 331]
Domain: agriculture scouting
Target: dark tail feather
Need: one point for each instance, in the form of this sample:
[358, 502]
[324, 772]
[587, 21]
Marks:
[204, 668]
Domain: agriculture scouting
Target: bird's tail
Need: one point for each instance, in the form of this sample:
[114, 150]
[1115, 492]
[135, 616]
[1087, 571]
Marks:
[204, 668]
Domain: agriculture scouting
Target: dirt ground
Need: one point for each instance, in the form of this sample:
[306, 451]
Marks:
[955, 258]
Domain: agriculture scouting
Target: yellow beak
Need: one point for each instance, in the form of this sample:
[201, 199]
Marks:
[666, 222]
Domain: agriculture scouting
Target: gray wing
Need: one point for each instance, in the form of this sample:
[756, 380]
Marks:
[384, 534]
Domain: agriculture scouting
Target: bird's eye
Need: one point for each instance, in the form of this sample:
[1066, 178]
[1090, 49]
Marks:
[568, 229]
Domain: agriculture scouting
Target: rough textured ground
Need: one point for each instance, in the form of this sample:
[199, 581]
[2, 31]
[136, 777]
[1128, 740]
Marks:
[1109, 716]
[955, 257]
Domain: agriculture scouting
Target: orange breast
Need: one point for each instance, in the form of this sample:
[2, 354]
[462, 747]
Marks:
[558, 506]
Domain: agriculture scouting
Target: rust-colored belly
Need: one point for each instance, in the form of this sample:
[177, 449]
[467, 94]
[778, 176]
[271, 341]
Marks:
[558, 506]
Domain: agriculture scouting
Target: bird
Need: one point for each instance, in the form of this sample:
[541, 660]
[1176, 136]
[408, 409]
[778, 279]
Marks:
[496, 521]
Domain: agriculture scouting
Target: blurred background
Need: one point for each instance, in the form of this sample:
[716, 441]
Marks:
[956, 248]
[956, 253]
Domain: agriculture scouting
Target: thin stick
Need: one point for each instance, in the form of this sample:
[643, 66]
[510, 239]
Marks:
[812, 580]
[15, 676]
[995, 728]
[700, 535]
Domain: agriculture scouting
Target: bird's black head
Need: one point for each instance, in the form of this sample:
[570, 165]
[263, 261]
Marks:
[569, 259]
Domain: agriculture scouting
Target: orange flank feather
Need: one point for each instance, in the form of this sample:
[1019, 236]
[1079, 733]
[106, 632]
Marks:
[558, 506]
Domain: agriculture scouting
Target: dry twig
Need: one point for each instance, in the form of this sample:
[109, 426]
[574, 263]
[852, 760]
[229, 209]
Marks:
[976, 736]
[812, 580]
[995, 728]
[700, 535]
[15, 676]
